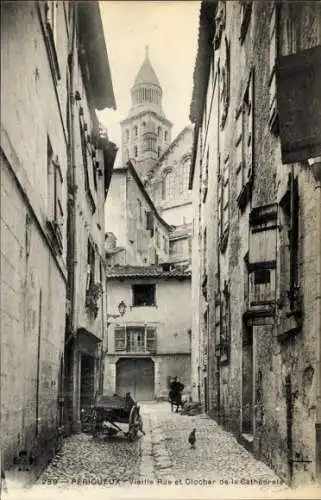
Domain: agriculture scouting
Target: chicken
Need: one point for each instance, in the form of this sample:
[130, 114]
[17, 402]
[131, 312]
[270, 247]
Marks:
[192, 438]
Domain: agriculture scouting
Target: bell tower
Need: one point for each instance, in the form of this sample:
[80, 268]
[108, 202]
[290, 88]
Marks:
[146, 132]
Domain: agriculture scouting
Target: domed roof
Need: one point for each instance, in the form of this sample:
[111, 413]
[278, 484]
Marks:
[146, 74]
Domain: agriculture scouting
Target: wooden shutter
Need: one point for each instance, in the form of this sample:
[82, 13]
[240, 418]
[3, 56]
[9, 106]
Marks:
[299, 104]
[151, 339]
[120, 339]
[249, 129]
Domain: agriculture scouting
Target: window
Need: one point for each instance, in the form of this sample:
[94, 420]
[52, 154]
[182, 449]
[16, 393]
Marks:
[159, 151]
[150, 142]
[135, 131]
[139, 211]
[274, 40]
[182, 177]
[90, 265]
[246, 10]
[135, 151]
[157, 237]
[135, 339]
[169, 185]
[223, 205]
[126, 155]
[262, 255]
[51, 37]
[126, 135]
[289, 242]
[205, 178]
[55, 205]
[159, 130]
[244, 145]
[165, 136]
[143, 295]
[150, 222]
[225, 325]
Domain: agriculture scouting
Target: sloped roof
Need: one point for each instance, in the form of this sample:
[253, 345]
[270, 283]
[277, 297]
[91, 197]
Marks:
[146, 74]
[144, 272]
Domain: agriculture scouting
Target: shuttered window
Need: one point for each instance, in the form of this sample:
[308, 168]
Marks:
[262, 255]
[151, 340]
[135, 339]
[244, 143]
[274, 41]
[120, 339]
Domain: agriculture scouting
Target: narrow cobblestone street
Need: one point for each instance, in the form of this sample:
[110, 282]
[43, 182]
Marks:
[163, 459]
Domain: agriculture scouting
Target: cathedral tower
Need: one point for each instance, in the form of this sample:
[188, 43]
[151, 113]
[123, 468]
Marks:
[146, 132]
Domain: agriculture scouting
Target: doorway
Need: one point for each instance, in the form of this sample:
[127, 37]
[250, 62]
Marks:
[136, 375]
[87, 381]
[247, 381]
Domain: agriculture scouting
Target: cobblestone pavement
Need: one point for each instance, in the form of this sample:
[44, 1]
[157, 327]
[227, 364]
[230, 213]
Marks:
[161, 459]
[217, 460]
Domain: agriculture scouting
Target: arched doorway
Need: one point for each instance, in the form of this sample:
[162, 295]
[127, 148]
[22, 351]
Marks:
[136, 375]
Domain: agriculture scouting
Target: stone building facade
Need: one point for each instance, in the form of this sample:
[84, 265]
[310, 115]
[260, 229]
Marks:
[150, 343]
[256, 246]
[43, 50]
[136, 233]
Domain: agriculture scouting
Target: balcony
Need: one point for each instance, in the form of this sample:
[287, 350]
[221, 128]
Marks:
[135, 340]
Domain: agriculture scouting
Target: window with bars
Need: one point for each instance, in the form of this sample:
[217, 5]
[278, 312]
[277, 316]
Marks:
[150, 142]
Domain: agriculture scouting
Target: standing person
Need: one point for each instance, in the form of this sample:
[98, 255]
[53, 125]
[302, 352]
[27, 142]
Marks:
[175, 395]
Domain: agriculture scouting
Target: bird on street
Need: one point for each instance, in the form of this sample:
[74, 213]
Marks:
[192, 438]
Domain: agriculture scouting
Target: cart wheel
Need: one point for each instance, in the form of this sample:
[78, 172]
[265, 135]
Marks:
[135, 423]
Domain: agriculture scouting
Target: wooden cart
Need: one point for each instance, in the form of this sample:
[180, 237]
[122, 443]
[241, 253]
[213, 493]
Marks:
[109, 411]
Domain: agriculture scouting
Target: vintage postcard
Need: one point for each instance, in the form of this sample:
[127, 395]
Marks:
[160, 249]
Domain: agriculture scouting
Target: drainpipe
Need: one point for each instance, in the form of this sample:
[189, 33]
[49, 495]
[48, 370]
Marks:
[315, 165]
[72, 196]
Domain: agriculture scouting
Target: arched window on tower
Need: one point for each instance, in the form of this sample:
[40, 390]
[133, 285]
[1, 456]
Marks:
[126, 135]
[135, 131]
[165, 136]
[126, 155]
[159, 131]
[135, 151]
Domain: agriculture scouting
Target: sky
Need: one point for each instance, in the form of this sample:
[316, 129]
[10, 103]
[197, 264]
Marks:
[170, 29]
